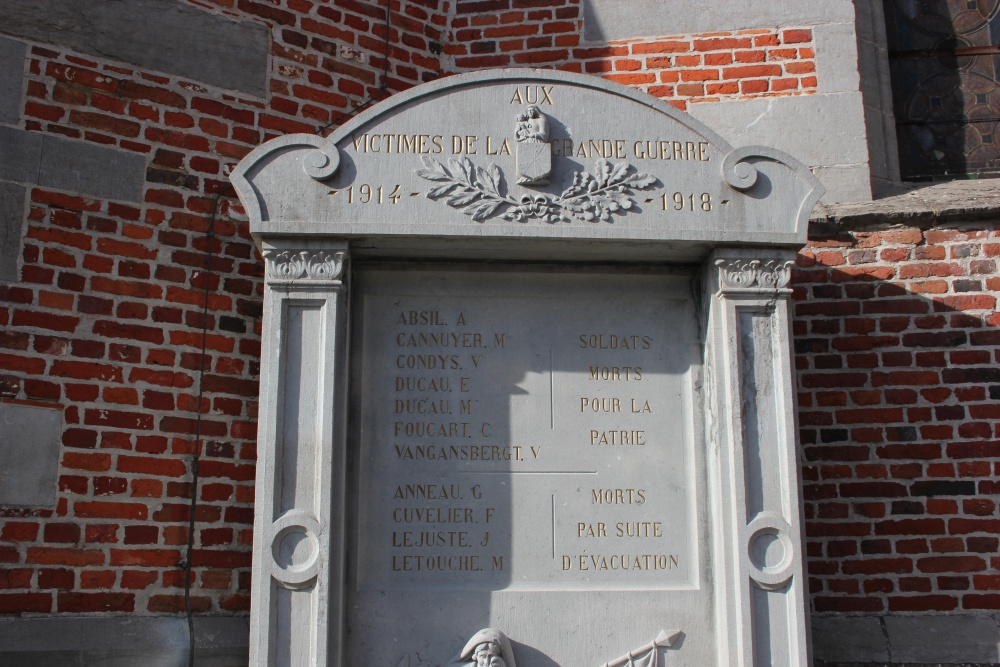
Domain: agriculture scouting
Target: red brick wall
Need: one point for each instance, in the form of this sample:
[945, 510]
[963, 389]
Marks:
[681, 69]
[106, 319]
[897, 349]
[894, 329]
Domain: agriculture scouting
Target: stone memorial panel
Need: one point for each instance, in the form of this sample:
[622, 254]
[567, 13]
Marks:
[526, 386]
[484, 415]
[521, 432]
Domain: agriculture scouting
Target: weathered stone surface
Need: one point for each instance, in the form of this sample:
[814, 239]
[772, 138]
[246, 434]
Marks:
[791, 124]
[11, 79]
[836, 58]
[917, 204]
[563, 457]
[11, 217]
[443, 163]
[75, 166]
[913, 641]
[849, 639]
[70, 165]
[612, 19]
[22, 154]
[30, 436]
[424, 512]
[129, 641]
[944, 639]
[163, 35]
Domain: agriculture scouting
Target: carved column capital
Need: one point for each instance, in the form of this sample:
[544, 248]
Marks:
[754, 275]
[321, 265]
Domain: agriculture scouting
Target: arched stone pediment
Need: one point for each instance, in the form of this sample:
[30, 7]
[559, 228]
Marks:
[444, 160]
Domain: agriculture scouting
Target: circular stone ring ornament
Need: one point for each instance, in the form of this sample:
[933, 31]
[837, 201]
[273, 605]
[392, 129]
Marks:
[295, 548]
[770, 552]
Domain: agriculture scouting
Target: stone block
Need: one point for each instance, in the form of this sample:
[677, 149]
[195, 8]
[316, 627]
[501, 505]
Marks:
[72, 165]
[820, 130]
[75, 166]
[846, 183]
[612, 19]
[11, 215]
[161, 35]
[22, 153]
[841, 639]
[11, 79]
[122, 641]
[29, 454]
[944, 639]
[836, 58]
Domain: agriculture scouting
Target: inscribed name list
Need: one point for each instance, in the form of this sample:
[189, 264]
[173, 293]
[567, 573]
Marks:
[517, 440]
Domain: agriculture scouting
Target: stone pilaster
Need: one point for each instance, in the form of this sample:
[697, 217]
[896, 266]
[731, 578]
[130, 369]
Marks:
[761, 597]
[299, 496]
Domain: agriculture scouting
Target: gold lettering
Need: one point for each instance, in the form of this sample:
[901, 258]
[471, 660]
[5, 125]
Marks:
[626, 438]
[615, 342]
[639, 529]
[617, 496]
[432, 515]
[421, 563]
[591, 529]
[616, 373]
[600, 404]
[533, 95]
[621, 562]
[641, 408]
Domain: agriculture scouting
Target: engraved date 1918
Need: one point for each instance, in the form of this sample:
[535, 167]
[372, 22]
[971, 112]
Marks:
[692, 202]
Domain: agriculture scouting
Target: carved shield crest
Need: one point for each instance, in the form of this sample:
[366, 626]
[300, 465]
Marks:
[534, 163]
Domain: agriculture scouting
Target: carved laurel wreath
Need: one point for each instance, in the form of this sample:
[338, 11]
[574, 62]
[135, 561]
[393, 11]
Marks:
[590, 197]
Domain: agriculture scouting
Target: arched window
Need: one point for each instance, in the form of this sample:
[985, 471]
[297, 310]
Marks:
[944, 58]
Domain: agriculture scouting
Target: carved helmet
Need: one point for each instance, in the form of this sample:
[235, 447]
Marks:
[489, 635]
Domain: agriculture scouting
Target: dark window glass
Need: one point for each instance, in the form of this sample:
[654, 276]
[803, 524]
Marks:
[944, 58]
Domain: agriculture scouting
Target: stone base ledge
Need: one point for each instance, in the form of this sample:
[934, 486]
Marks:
[954, 640]
[122, 641]
[914, 204]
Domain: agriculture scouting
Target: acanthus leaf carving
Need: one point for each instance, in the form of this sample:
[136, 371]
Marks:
[590, 197]
[304, 264]
[764, 275]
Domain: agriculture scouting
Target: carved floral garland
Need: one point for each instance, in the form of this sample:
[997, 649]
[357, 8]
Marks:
[590, 197]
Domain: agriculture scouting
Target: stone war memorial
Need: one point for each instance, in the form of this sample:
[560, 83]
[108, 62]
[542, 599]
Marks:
[527, 395]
